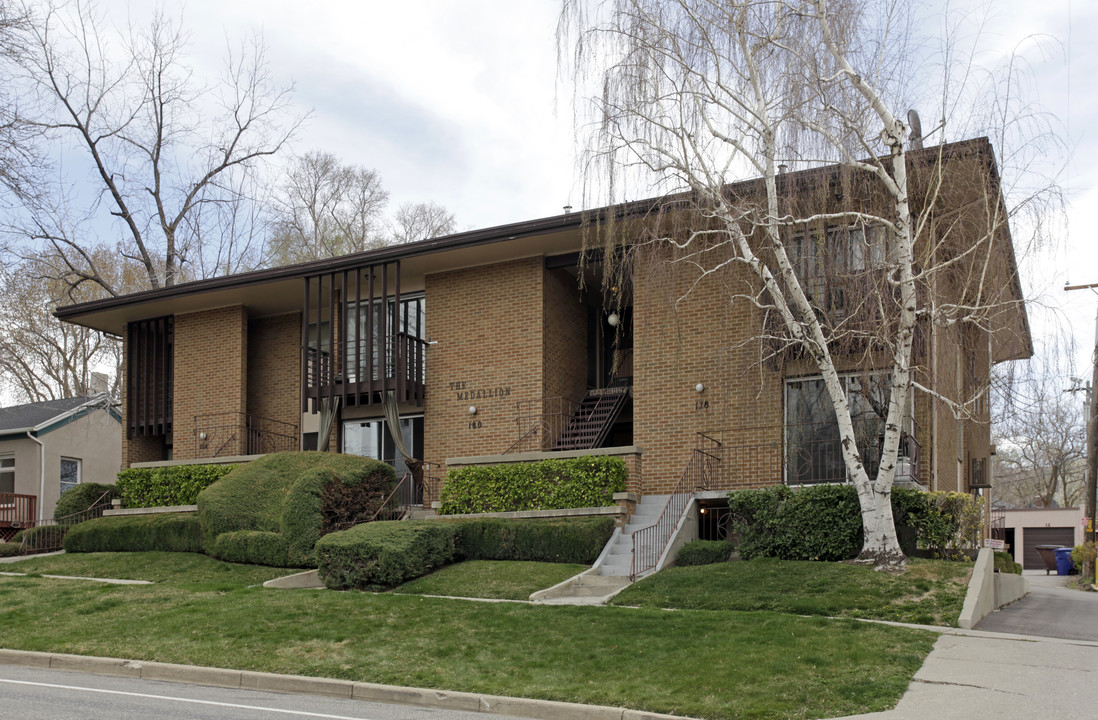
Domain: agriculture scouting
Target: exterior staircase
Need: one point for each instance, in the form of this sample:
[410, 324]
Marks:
[593, 418]
[610, 575]
[619, 561]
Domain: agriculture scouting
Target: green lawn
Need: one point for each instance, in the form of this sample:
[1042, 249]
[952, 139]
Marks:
[698, 663]
[930, 592]
[499, 579]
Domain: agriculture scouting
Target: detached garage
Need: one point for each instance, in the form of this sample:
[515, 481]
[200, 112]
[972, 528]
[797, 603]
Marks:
[1027, 528]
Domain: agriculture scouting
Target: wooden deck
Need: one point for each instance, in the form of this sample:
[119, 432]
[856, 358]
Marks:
[16, 513]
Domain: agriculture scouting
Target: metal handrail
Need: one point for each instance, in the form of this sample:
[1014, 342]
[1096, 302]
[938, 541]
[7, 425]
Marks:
[238, 433]
[36, 542]
[650, 542]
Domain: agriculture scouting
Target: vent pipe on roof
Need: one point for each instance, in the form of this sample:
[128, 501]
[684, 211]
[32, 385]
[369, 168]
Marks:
[567, 209]
[915, 137]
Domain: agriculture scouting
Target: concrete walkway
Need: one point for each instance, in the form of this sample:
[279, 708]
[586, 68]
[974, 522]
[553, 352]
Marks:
[1050, 610]
[1036, 658]
[983, 675]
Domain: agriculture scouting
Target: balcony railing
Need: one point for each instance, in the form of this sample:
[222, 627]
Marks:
[541, 422]
[236, 433]
[361, 375]
[800, 454]
[16, 512]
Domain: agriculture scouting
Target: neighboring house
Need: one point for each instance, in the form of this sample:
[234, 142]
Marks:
[47, 447]
[1024, 529]
[491, 339]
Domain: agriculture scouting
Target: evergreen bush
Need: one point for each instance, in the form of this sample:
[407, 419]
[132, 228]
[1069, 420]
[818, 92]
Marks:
[164, 532]
[384, 554]
[543, 485]
[824, 522]
[167, 486]
[80, 497]
[9, 549]
[284, 494]
[704, 552]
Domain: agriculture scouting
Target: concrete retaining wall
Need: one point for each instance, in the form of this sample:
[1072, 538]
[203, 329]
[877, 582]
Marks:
[988, 590]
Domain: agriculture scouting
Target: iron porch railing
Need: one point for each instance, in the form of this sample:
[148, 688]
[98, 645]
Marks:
[236, 433]
[797, 454]
[650, 542]
[541, 422]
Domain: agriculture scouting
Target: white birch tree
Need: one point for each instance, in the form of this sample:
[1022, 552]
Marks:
[692, 95]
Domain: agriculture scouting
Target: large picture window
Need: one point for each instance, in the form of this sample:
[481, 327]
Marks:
[371, 438]
[813, 452]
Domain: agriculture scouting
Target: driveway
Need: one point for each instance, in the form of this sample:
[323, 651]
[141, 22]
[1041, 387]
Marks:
[1050, 610]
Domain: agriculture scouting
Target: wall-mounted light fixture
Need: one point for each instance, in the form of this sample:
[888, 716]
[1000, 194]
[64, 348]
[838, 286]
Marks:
[202, 436]
[613, 319]
[472, 409]
[699, 387]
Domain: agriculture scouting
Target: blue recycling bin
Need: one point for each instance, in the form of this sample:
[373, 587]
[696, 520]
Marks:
[1064, 564]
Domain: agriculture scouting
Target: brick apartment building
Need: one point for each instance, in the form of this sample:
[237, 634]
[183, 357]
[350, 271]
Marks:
[491, 339]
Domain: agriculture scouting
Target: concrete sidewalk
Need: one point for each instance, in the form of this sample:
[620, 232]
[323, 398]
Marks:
[986, 675]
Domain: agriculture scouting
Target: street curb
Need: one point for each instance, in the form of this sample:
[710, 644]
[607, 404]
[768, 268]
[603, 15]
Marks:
[346, 689]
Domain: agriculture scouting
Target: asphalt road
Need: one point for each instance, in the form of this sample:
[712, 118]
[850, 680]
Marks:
[35, 694]
[1050, 610]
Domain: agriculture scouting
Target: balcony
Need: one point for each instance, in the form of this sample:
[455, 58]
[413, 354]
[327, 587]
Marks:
[16, 512]
[234, 433]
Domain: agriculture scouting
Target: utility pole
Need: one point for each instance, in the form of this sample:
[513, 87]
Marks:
[1092, 432]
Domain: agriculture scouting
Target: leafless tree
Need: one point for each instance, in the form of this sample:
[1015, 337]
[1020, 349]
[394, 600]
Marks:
[1041, 444]
[18, 161]
[42, 358]
[164, 154]
[692, 95]
[326, 208]
[420, 221]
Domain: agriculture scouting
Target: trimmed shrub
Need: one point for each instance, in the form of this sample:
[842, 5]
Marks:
[284, 494]
[80, 497]
[542, 485]
[254, 547]
[565, 540]
[704, 552]
[167, 486]
[384, 554]
[824, 522]
[165, 532]
[9, 549]
[1004, 563]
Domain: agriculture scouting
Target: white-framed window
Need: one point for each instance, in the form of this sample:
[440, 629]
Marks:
[70, 473]
[813, 451]
[7, 474]
[371, 438]
[369, 321]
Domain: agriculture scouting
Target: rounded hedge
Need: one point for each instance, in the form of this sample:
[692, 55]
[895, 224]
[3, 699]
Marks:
[282, 494]
[80, 497]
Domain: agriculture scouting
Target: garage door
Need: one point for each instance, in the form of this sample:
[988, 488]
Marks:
[1032, 537]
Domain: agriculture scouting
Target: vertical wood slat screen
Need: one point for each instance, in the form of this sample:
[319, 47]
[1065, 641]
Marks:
[149, 376]
[353, 344]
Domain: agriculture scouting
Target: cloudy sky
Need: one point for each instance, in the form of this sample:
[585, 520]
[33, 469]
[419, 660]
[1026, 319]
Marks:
[460, 103]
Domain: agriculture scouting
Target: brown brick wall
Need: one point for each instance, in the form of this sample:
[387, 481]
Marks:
[487, 322]
[681, 341]
[211, 355]
[564, 340]
[274, 368]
